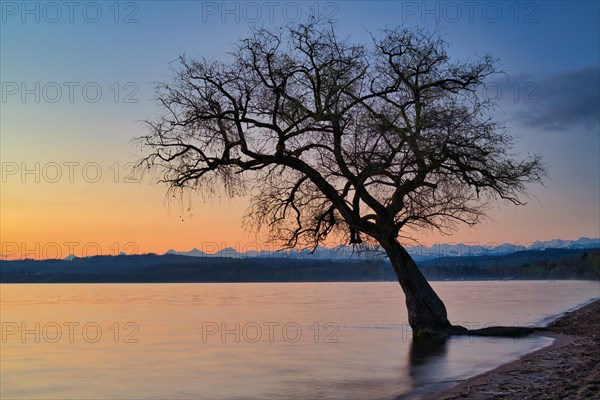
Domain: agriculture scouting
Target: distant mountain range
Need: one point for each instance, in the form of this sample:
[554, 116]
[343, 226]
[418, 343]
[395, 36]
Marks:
[419, 253]
[526, 264]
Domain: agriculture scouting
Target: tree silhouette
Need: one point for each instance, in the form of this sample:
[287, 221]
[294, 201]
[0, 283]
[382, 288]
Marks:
[331, 137]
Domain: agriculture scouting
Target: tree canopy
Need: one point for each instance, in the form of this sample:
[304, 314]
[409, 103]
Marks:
[333, 135]
[329, 136]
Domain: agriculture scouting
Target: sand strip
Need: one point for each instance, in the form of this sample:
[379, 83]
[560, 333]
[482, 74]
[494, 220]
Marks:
[567, 369]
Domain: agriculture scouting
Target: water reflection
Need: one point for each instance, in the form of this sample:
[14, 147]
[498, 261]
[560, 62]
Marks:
[427, 365]
[424, 356]
[372, 357]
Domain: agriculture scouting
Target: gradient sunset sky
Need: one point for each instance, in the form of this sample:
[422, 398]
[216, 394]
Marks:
[65, 146]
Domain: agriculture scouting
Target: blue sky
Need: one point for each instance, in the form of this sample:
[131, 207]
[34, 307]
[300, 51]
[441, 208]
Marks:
[549, 97]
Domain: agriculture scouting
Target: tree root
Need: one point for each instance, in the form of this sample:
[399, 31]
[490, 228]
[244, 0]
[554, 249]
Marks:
[503, 331]
[496, 331]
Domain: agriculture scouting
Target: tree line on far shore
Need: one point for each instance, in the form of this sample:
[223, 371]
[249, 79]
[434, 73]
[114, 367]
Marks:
[546, 264]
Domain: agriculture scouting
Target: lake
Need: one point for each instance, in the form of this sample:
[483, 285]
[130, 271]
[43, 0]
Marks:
[257, 341]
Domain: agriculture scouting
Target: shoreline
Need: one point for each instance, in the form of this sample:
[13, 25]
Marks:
[567, 368]
[552, 318]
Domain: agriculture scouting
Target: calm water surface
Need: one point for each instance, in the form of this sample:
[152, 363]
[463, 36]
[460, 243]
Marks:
[255, 341]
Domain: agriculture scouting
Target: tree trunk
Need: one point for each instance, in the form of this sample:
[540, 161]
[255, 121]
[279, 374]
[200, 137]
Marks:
[426, 311]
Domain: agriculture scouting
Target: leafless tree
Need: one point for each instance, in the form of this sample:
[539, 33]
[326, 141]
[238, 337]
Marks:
[330, 137]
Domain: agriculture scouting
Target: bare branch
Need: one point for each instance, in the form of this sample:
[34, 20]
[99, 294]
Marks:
[331, 137]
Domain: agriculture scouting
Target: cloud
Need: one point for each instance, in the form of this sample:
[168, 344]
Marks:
[564, 101]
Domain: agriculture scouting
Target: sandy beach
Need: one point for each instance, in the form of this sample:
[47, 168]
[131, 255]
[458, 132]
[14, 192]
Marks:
[568, 369]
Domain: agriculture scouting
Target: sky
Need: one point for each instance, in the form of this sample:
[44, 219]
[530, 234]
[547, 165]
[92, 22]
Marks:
[78, 78]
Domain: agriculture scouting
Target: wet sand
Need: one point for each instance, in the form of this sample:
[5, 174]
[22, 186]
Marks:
[568, 369]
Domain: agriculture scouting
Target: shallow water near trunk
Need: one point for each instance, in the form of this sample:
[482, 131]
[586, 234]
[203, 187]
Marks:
[255, 341]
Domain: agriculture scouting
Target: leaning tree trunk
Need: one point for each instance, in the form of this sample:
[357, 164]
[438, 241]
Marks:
[426, 311]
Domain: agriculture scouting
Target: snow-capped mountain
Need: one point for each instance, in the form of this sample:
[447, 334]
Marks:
[192, 253]
[419, 253]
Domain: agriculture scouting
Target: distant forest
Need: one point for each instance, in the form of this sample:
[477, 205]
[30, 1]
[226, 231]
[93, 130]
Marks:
[530, 264]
